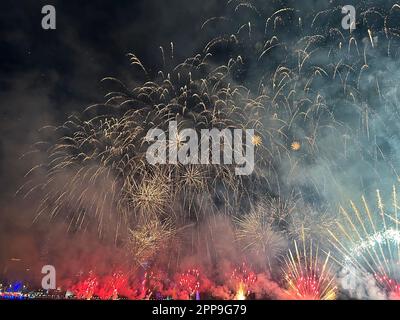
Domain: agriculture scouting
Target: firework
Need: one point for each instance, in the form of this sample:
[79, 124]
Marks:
[295, 146]
[309, 222]
[86, 288]
[307, 276]
[115, 286]
[240, 293]
[154, 285]
[150, 197]
[97, 174]
[325, 72]
[255, 233]
[256, 140]
[106, 287]
[242, 279]
[189, 283]
[150, 237]
[368, 240]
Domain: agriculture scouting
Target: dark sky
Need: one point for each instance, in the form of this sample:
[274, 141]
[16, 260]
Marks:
[47, 74]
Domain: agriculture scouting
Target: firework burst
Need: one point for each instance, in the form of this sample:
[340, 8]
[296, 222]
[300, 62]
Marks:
[256, 234]
[242, 278]
[368, 239]
[150, 237]
[97, 175]
[307, 276]
[189, 283]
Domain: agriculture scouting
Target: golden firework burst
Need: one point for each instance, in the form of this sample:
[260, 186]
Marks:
[148, 238]
[256, 140]
[149, 196]
[295, 145]
[255, 233]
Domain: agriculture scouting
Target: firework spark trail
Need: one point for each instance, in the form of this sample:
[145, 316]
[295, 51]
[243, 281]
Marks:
[368, 241]
[308, 277]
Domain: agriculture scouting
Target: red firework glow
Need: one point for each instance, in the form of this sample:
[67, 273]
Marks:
[154, 284]
[391, 286]
[243, 278]
[189, 283]
[307, 287]
[307, 276]
[86, 289]
[104, 288]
